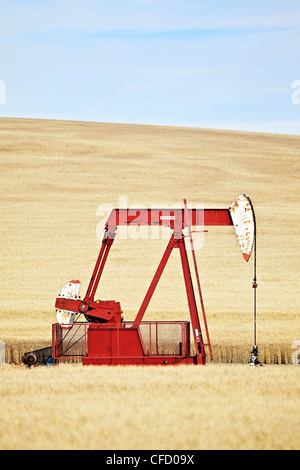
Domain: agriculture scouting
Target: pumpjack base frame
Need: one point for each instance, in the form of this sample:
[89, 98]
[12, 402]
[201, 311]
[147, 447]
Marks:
[151, 343]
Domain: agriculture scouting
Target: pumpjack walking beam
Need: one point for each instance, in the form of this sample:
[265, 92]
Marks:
[174, 218]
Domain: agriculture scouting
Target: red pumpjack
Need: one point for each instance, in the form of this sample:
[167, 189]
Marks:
[108, 339]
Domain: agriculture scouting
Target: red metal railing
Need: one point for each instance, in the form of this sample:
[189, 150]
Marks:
[159, 338]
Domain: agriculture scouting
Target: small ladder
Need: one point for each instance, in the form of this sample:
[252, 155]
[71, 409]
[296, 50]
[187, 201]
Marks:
[198, 280]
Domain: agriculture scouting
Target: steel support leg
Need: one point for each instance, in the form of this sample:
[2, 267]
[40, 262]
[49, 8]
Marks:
[200, 351]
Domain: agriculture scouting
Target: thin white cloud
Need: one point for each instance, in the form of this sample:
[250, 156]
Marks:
[152, 61]
[36, 17]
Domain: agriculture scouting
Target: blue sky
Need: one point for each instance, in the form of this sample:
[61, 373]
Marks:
[208, 63]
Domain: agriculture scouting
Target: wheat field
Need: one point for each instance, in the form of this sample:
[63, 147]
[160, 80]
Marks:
[55, 178]
[216, 406]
